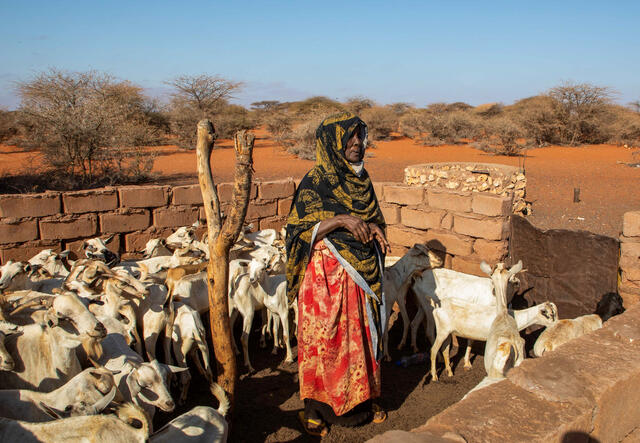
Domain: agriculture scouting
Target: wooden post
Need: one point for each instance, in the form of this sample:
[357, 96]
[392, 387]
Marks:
[221, 238]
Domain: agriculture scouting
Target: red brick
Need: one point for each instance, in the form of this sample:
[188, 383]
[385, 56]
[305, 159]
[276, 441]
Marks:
[481, 227]
[33, 205]
[68, 227]
[174, 217]
[276, 189]
[468, 265]
[284, 205]
[378, 188]
[490, 204]
[114, 244]
[415, 218]
[276, 222]
[143, 196]
[90, 201]
[18, 232]
[490, 251]
[261, 210]
[629, 299]
[125, 221]
[225, 192]
[626, 285]
[449, 201]
[631, 224]
[405, 236]
[625, 239]
[404, 195]
[449, 242]
[398, 250]
[391, 213]
[631, 274]
[627, 262]
[25, 251]
[187, 195]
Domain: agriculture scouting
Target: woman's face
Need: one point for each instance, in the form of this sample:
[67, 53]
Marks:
[354, 152]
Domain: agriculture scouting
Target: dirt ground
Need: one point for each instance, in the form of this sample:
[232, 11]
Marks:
[268, 400]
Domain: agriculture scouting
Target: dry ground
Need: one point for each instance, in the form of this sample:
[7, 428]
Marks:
[267, 401]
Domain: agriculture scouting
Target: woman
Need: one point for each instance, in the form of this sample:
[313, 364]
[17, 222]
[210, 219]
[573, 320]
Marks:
[335, 250]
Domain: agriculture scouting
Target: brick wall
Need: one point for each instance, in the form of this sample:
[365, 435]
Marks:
[629, 286]
[583, 392]
[133, 214]
[467, 227]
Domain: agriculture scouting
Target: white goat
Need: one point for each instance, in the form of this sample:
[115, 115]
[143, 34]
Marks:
[51, 261]
[96, 249]
[504, 348]
[397, 280]
[256, 290]
[87, 393]
[188, 332]
[201, 424]
[16, 276]
[128, 424]
[437, 284]
[6, 360]
[473, 321]
[156, 247]
[568, 329]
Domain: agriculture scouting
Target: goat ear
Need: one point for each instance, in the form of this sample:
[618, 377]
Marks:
[65, 253]
[516, 268]
[108, 239]
[51, 319]
[51, 412]
[484, 267]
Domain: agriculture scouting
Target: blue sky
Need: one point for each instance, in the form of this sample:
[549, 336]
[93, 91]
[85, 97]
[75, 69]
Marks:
[391, 51]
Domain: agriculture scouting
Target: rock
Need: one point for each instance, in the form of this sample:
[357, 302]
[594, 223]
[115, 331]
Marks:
[452, 185]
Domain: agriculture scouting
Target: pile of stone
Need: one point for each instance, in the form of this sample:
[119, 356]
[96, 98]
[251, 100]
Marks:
[508, 181]
[629, 284]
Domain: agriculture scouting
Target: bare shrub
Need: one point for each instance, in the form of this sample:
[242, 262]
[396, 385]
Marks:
[581, 109]
[278, 124]
[381, 121]
[538, 119]
[450, 127]
[301, 140]
[624, 129]
[488, 109]
[412, 124]
[314, 106]
[358, 104]
[232, 118]
[83, 121]
[502, 136]
[196, 97]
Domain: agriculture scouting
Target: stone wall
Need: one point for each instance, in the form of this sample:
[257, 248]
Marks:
[629, 286]
[583, 392]
[467, 226]
[134, 214]
[489, 178]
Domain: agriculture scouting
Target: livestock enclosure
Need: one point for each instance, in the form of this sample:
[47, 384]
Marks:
[466, 228]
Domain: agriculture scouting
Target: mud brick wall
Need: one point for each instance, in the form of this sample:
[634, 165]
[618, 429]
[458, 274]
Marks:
[133, 214]
[584, 391]
[629, 286]
[467, 227]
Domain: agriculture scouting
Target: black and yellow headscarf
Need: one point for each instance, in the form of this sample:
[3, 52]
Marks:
[331, 188]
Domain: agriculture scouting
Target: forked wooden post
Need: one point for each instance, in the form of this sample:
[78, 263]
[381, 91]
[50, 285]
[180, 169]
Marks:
[221, 238]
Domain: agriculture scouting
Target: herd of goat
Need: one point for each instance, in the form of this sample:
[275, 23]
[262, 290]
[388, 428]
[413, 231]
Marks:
[78, 339]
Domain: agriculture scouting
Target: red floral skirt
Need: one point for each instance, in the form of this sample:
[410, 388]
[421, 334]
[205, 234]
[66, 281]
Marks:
[336, 362]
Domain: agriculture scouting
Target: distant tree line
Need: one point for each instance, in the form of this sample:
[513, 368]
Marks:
[92, 128]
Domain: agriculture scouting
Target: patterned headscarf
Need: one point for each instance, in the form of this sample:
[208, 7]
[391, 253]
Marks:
[330, 188]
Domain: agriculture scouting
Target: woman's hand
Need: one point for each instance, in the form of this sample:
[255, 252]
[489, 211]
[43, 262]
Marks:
[378, 234]
[359, 228]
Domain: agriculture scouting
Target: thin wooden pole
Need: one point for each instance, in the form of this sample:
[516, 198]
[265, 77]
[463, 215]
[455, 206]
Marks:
[221, 238]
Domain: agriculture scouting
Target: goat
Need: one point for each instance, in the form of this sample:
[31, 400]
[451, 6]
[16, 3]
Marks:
[143, 383]
[201, 424]
[568, 329]
[17, 276]
[397, 280]
[88, 393]
[51, 261]
[256, 290]
[96, 249]
[470, 320]
[436, 284]
[188, 331]
[504, 348]
[156, 247]
[128, 424]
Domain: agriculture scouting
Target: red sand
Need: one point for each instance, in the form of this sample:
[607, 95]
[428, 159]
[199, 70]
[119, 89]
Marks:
[607, 185]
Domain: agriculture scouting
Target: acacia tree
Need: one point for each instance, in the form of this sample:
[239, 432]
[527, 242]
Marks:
[83, 121]
[197, 97]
